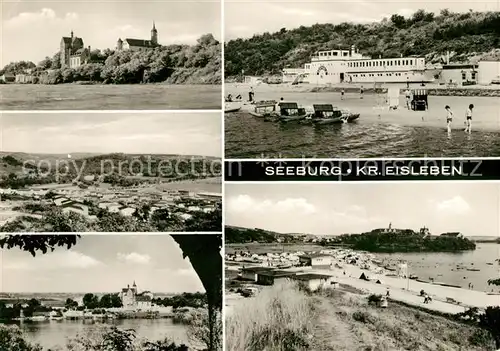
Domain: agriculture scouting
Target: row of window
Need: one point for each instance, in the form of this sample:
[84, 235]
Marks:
[334, 53]
[382, 63]
[472, 76]
[381, 74]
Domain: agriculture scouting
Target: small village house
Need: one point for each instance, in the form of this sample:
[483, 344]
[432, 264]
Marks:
[459, 74]
[316, 260]
[8, 78]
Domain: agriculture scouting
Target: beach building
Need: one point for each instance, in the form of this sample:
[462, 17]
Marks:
[350, 66]
[315, 282]
[316, 260]
[459, 74]
[272, 277]
[293, 75]
[252, 80]
[250, 273]
[488, 71]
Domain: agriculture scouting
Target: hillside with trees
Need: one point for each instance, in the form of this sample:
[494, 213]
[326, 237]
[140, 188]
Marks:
[465, 35]
[403, 240]
[21, 170]
[238, 235]
[173, 64]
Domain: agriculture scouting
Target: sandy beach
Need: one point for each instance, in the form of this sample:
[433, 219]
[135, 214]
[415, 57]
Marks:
[373, 108]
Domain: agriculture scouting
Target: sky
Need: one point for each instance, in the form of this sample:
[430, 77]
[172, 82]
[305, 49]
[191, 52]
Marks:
[333, 209]
[243, 19]
[32, 30]
[140, 133]
[101, 263]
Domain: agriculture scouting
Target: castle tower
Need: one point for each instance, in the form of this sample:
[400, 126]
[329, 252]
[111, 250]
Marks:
[154, 35]
[119, 44]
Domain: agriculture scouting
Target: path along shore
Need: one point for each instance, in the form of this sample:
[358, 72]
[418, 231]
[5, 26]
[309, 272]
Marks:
[408, 291]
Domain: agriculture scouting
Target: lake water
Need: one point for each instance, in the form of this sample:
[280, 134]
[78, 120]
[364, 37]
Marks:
[442, 266]
[378, 133]
[109, 97]
[51, 334]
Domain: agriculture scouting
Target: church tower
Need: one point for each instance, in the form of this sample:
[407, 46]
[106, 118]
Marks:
[154, 35]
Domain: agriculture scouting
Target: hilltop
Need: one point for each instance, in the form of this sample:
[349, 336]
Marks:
[466, 35]
[172, 64]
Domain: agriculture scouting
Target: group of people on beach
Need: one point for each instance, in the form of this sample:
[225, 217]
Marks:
[468, 118]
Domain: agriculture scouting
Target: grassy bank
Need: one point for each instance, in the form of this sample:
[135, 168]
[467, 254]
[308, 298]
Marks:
[284, 318]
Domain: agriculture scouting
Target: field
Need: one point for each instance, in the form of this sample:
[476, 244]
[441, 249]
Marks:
[284, 318]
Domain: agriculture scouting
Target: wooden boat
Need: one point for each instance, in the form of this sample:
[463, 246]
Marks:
[232, 106]
[290, 111]
[328, 114]
[473, 269]
[413, 277]
[265, 109]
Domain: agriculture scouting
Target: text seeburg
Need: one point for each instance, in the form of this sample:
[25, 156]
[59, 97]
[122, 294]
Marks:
[362, 170]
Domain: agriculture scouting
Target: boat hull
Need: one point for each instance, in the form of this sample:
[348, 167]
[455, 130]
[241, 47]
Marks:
[336, 120]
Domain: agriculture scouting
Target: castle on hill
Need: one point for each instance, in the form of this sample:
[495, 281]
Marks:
[136, 44]
[73, 53]
[133, 300]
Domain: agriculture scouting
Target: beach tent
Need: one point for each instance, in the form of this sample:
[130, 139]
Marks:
[364, 277]
[393, 97]
[378, 282]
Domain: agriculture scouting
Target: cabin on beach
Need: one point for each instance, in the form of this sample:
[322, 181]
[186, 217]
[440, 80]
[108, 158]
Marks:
[459, 74]
[315, 282]
[251, 273]
[271, 277]
[316, 260]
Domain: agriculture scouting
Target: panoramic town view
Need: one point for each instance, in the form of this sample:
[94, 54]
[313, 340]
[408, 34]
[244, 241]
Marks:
[94, 292]
[377, 79]
[362, 266]
[119, 55]
[110, 173]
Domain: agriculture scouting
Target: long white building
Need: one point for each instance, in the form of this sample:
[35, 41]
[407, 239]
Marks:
[349, 66]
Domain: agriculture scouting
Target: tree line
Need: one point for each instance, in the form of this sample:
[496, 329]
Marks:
[179, 64]
[422, 34]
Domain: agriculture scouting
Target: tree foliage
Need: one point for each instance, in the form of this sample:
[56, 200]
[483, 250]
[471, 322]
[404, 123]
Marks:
[422, 34]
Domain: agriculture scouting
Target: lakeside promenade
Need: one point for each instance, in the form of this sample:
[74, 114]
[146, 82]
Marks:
[398, 291]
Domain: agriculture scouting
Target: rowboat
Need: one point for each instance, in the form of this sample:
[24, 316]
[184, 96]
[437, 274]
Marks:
[328, 114]
[232, 106]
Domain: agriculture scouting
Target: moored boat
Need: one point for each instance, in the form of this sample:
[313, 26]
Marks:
[265, 109]
[328, 114]
[290, 111]
[232, 106]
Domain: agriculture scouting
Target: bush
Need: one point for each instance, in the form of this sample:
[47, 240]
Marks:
[278, 318]
[12, 339]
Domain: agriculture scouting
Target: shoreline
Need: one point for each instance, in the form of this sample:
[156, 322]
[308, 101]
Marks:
[446, 298]
[432, 89]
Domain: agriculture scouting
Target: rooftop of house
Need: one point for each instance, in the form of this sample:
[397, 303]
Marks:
[311, 276]
[257, 269]
[277, 274]
[314, 255]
